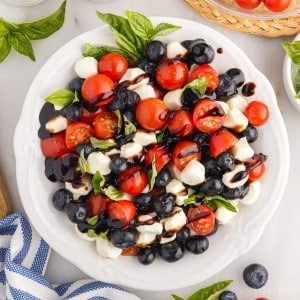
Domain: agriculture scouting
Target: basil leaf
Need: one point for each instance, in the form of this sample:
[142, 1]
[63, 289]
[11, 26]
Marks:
[220, 201]
[164, 29]
[83, 163]
[193, 199]
[92, 233]
[104, 234]
[102, 144]
[20, 42]
[3, 28]
[98, 182]
[129, 127]
[124, 43]
[198, 84]
[177, 297]
[140, 25]
[44, 27]
[113, 193]
[120, 120]
[293, 51]
[160, 135]
[61, 97]
[92, 220]
[4, 48]
[205, 293]
[152, 174]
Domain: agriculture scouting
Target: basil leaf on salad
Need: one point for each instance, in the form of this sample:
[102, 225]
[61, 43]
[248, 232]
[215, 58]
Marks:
[83, 163]
[293, 51]
[98, 182]
[198, 84]
[112, 193]
[120, 120]
[4, 48]
[164, 29]
[225, 203]
[3, 28]
[177, 297]
[92, 233]
[92, 220]
[193, 199]
[102, 144]
[152, 174]
[62, 98]
[160, 135]
[129, 127]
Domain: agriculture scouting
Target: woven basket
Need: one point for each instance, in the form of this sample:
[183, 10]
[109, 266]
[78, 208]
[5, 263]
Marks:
[269, 28]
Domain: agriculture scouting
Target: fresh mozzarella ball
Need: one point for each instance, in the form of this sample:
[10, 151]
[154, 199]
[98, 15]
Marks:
[174, 171]
[224, 216]
[82, 188]
[126, 196]
[84, 236]
[57, 124]
[227, 177]
[175, 49]
[173, 99]
[176, 221]
[145, 239]
[175, 187]
[241, 150]
[99, 162]
[106, 249]
[86, 67]
[193, 173]
[112, 152]
[146, 189]
[225, 106]
[235, 120]
[145, 91]
[238, 102]
[133, 73]
[164, 240]
[155, 228]
[253, 193]
[131, 150]
[144, 138]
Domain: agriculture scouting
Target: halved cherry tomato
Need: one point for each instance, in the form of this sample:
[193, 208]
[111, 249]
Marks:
[180, 123]
[277, 5]
[98, 90]
[77, 133]
[122, 210]
[151, 113]
[257, 113]
[201, 219]
[133, 180]
[210, 74]
[208, 115]
[257, 172]
[171, 74]
[98, 203]
[105, 125]
[161, 154]
[113, 65]
[248, 4]
[221, 141]
[54, 146]
[87, 116]
[184, 152]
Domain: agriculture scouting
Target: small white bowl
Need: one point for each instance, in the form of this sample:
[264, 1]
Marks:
[287, 79]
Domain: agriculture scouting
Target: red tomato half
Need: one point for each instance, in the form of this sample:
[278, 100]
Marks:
[87, 116]
[122, 210]
[161, 154]
[184, 152]
[105, 125]
[54, 146]
[180, 123]
[221, 141]
[208, 115]
[171, 74]
[257, 113]
[133, 180]
[113, 65]
[201, 219]
[248, 4]
[98, 203]
[277, 5]
[77, 133]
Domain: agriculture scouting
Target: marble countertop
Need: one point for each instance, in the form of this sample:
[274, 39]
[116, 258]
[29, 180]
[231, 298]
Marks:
[278, 248]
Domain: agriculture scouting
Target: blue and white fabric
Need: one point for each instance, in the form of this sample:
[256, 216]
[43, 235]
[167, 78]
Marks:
[23, 261]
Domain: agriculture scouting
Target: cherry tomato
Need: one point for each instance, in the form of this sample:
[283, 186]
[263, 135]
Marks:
[161, 154]
[208, 115]
[221, 141]
[248, 4]
[180, 123]
[210, 74]
[54, 146]
[257, 172]
[97, 89]
[257, 113]
[130, 251]
[151, 113]
[97, 203]
[113, 65]
[171, 74]
[77, 133]
[277, 5]
[105, 125]
[87, 116]
[184, 152]
[133, 180]
[201, 219]
[122, 210]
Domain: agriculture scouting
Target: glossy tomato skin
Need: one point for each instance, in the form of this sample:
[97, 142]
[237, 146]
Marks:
[122, 210]
[277, 5]
[87, 116]
[171, 74]
[97, 90]
[97, 204]
[133, 180]
[184, 152]
[257, 173]
[54, 146]
[248, 4]
[151, 113]
[208, 115]
[257, 113]
[180, 123]
[113, 65]
[105, 125]
[221, 141]
[161, 155]
[77, 133]
[201, 219]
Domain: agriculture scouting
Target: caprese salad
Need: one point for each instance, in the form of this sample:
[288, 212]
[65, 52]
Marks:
[153, 157]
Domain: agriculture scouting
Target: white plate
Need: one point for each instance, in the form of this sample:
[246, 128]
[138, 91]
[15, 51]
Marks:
[225, 246]
[287, 79]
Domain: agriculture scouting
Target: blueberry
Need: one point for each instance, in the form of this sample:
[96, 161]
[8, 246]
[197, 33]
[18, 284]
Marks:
[183, 234]
[201, 53]
[205, 151]
[197, 244]
[84, 227]
[250, 133]
[77, 212]
[123, 238]
[227, 295]
[212, 169]
[132, 99]
[189, 44]
[225, 161]
[43, 133]
[86, 147]
[171, 251]
[72, 112]
[143, 203]
[115, 224]
[163, 204]
[212, 186]
[155, 51]
[61, 198]
[130, 115]
[227, 87]
[122, 139]
[49, 169]
[237, 75]
[163, 178]
[118, 164]
[201, 138]
[47, 112]
[232, 193]
[255, 275]
[146, 255]
[245, 190]
[190, 97]
[147, 65]
[119, 100]
[75, 84]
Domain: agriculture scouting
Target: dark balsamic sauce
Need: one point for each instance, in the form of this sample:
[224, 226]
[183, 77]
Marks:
[248, 89]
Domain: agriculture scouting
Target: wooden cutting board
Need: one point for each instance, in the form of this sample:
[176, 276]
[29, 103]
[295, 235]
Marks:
[5, 205]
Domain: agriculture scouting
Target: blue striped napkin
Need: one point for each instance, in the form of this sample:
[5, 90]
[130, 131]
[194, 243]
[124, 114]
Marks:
[23, 261]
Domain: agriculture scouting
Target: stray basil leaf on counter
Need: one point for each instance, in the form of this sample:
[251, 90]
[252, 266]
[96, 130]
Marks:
[62, 97]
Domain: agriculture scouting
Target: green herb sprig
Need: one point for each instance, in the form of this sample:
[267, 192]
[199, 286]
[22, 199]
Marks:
[19, 36]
